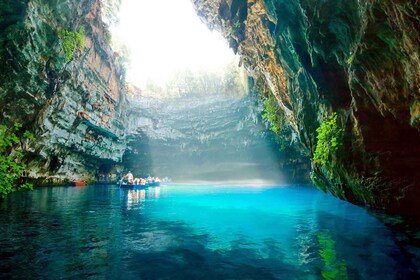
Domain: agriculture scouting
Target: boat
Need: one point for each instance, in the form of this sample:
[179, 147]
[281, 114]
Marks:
[77, 183]
[123, 183]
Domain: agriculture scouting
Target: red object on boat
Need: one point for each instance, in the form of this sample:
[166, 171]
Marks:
[79, 183]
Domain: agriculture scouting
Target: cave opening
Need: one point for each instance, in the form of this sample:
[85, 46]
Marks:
[193, 113]
[54, 164]
[163, 39]
[105, 168]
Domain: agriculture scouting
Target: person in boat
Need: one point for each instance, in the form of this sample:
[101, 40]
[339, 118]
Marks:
[138, 181]
[129, 177]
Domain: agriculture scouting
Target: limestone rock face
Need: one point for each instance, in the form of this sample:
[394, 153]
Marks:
[359, 59]
[215, 138]
[75, 109]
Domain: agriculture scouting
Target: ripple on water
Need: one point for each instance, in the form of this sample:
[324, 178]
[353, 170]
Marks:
[190, 232]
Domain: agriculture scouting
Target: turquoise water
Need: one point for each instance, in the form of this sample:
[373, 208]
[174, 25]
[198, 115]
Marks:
[193, 232]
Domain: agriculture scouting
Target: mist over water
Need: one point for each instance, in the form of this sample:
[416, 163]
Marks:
[196, 124]
[213, 139]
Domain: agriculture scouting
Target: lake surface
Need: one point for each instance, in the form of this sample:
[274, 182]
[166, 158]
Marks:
[193, 232]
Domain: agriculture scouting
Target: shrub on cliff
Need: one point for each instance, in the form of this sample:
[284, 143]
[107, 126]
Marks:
[329, 138]
[10, 168]
[70, 41]
[273, 114]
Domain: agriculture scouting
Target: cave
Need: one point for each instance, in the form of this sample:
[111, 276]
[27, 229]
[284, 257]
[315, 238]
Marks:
[297, 159]
[54, 164]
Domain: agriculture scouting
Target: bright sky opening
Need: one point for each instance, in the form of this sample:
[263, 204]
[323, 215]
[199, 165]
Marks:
[165, 36]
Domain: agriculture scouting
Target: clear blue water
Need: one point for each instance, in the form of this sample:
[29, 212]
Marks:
[192, 232]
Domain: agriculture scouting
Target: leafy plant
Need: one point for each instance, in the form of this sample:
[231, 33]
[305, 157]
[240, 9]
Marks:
[10, 168]
[70, 41]
[329, 138]
[237, 24]
[232, 29]
[28, 25]
[273, 114]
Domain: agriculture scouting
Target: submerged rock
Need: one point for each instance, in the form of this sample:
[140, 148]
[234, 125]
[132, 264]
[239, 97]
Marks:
[359, 59]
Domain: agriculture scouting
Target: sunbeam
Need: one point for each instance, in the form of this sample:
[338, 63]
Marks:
[166, 36]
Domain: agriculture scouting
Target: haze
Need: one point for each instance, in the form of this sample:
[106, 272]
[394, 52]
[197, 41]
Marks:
[166, 36]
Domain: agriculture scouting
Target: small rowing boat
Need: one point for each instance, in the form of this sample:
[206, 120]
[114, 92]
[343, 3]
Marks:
[77, 183]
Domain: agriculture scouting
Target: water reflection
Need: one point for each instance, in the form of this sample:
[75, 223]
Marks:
[334, 268]
[136, 198]
[192, 233]
[154, 193]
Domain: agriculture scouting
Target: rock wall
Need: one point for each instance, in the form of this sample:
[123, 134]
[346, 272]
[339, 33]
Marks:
[359, 59]
[214, 138]
[75, 109]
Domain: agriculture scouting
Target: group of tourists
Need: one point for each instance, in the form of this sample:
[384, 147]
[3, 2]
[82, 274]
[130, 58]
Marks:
[130, 179]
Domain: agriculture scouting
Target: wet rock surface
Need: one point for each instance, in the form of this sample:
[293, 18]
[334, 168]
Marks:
[357, 58]
[76, 109]
[209, 138]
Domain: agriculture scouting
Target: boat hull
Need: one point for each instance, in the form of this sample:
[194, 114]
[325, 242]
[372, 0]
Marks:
[78, 184]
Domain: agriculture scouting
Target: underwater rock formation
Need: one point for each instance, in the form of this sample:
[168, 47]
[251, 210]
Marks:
[73, 101]
[359, 59]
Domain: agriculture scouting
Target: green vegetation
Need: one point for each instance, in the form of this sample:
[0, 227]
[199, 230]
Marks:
[273, 114]
[229, 81]
[28, 25]
[237, 24]
[275, 119]
[10, 168]
[334, 268]
[329, 138]
[232, 29]
[70, 41]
